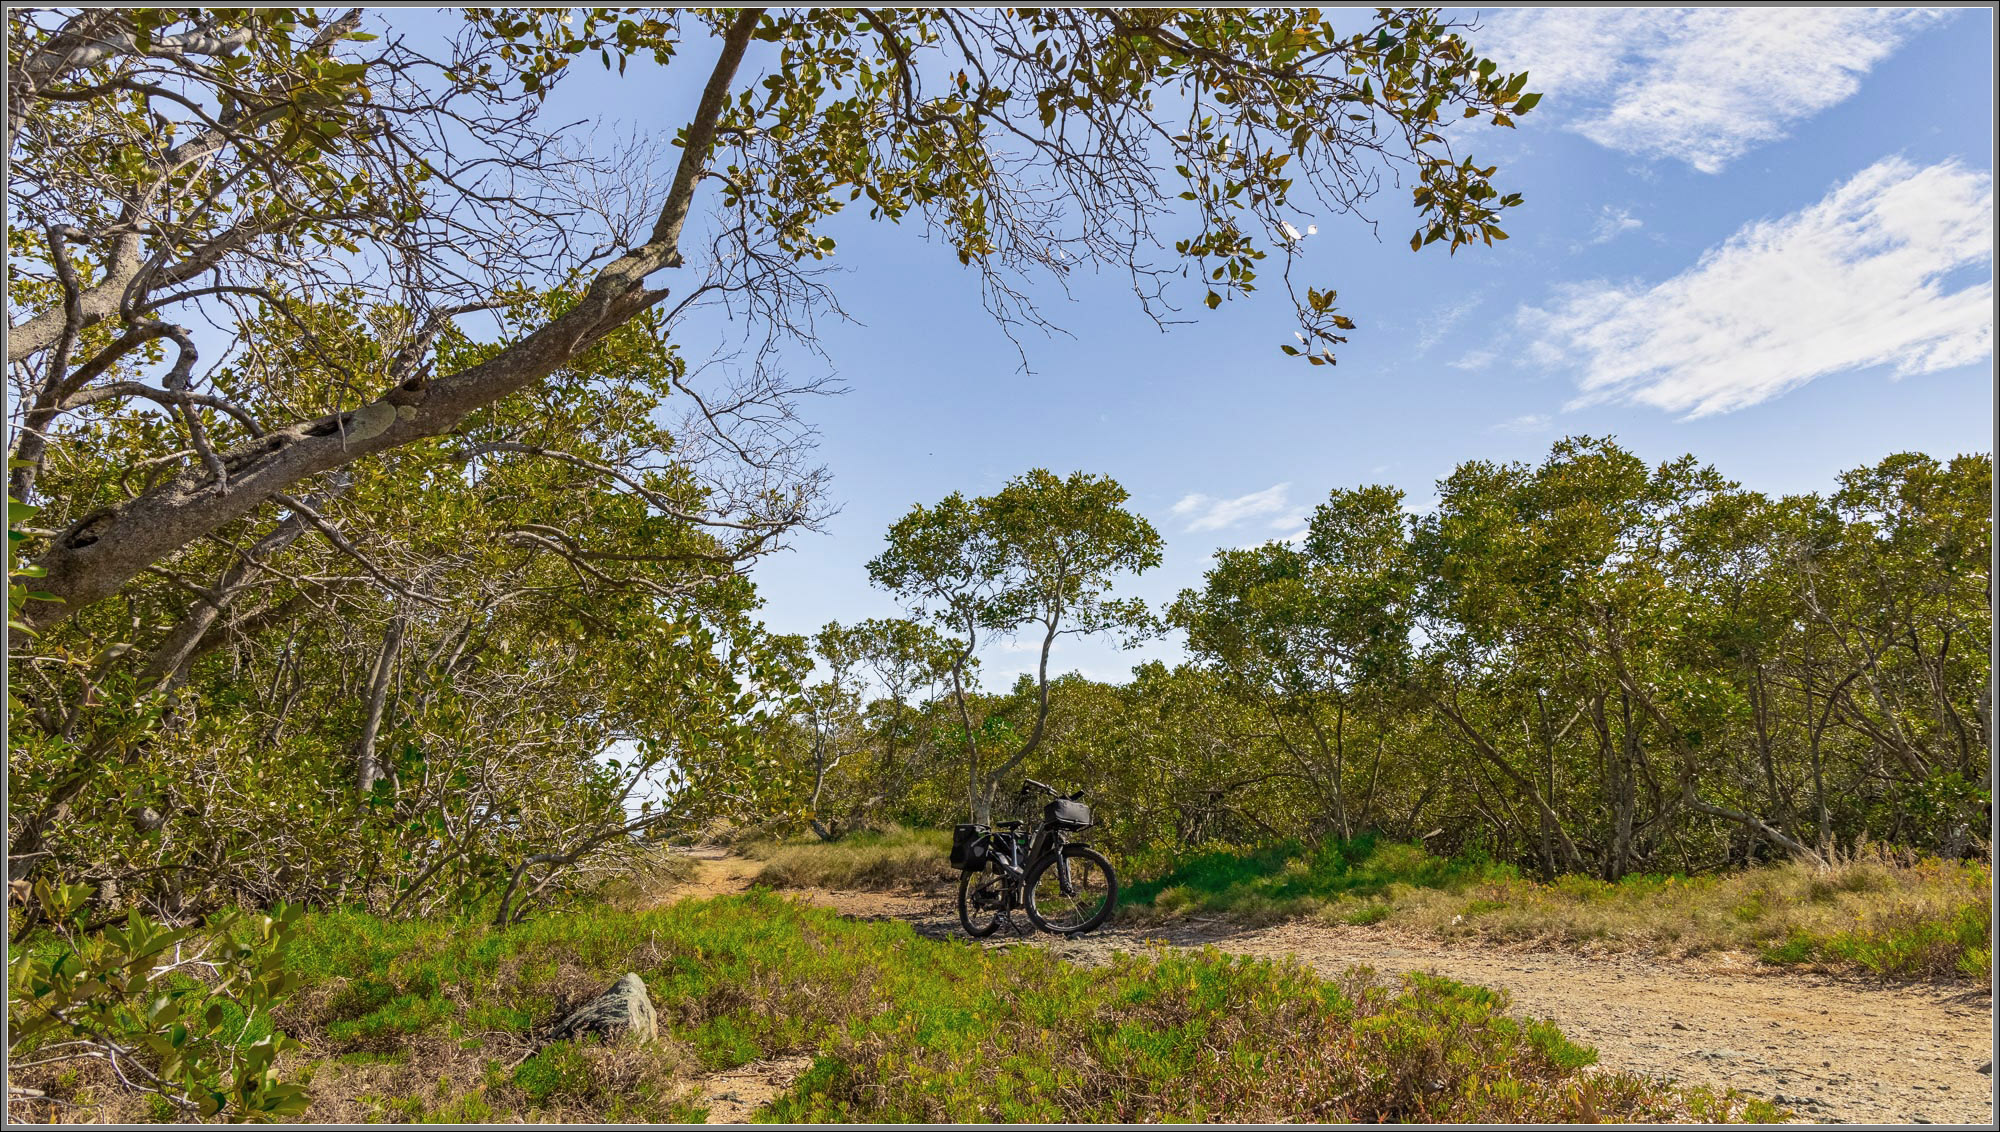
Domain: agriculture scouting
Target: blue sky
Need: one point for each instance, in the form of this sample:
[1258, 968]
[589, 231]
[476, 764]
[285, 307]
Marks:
[1762, 236]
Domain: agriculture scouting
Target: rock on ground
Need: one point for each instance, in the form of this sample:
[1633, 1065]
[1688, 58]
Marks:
[624, 1011]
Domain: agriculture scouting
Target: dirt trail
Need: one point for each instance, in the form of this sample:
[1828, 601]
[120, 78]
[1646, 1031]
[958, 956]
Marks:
[1833, 1050]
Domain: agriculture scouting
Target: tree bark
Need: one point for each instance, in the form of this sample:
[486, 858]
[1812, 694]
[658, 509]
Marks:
[1750, 822]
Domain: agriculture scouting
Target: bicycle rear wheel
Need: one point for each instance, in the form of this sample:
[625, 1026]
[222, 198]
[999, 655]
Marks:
[1080, 905]
[982, 901]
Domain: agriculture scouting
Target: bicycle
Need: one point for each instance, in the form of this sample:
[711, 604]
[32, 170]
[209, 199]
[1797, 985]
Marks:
[1065, 887]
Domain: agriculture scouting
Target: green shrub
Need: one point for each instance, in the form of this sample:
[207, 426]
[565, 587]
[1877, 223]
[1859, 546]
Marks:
[1289, 873]
[1908, 941]
[125, 995]
[557, 1070]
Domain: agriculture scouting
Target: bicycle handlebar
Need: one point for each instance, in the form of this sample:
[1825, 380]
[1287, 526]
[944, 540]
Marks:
[1029, 785]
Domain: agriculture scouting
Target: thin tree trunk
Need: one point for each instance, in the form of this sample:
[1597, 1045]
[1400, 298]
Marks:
[370, 770]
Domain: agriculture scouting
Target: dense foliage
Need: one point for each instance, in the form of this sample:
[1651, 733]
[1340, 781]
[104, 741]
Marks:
[372, 538]
[1586, 665]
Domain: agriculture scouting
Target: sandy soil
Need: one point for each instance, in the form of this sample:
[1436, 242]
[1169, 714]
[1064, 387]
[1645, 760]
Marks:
[1833, 1050]
[734, 1094]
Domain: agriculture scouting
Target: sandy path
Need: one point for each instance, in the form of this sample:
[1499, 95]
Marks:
[1834, 1050]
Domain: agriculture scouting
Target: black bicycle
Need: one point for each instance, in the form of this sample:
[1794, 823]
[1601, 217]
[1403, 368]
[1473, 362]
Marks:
[1064, 886]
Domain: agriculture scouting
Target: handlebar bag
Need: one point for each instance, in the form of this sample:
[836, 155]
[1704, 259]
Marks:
[1064, 813]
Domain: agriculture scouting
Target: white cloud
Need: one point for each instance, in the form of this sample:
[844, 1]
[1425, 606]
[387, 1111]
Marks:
[1442, 322]
[1855, 280]
[1613, 223]
[1525, 424]
[1206, 513]
[1475, 359]
[1700, 85]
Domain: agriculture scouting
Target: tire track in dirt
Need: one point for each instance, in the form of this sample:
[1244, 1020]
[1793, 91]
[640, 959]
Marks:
[1834, 1050]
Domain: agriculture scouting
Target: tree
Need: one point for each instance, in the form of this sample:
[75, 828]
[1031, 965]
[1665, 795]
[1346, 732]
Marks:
[212, 165]
[1299, 630]
[1590, 664]
[1042, 553]
[407, 696]
[892, 660]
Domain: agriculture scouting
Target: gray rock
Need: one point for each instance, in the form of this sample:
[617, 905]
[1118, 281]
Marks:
[1987, 1069]
[624, 1011]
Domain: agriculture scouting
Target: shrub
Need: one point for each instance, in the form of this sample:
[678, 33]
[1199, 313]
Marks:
[125, 996]
[1908, 939]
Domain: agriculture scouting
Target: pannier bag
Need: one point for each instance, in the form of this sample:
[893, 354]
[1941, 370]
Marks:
[968, 847]
[1064, 813]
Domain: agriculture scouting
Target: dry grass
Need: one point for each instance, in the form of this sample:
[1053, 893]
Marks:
[897, 859]
[1878, 910]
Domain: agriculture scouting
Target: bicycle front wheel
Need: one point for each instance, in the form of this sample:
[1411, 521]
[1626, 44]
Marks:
[1072, 893]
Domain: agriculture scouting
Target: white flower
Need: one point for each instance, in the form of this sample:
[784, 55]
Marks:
[1290, 232]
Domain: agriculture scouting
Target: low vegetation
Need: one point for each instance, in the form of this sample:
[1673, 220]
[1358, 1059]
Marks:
[1888, 913]
[437, 1021]
[897, 858]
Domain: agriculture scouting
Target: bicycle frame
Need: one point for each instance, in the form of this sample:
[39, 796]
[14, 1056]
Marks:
[1043, 841]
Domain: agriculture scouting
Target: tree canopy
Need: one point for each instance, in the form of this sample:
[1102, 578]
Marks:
[181, 168]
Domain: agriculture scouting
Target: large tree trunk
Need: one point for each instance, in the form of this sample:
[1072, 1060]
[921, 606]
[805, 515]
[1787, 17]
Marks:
[104, 550]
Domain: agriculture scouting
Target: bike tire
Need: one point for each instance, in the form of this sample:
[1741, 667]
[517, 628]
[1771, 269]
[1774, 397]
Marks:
[968, 883]
[1032, 885]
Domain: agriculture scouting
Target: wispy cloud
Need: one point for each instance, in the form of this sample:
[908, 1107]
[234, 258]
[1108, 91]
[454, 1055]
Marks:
[1441, 323]
[1474, 359]
[1525, 424]
[1700, 85]
[1207, 513]
[1613, 223]
[1855, 280]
